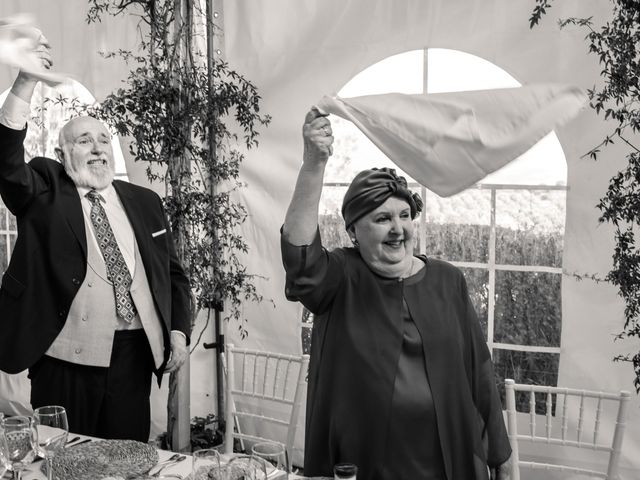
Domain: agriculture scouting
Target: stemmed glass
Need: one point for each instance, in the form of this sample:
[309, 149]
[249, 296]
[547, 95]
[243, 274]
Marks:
[246, 467]
[52, 428]
[275, 454]
[3, 461]
[206, 464]
[19, 438]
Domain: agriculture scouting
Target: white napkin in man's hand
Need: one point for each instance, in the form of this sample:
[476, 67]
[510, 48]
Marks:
[18, 44]
[449, 141]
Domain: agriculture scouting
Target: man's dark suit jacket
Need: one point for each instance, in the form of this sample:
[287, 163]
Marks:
[49, 260]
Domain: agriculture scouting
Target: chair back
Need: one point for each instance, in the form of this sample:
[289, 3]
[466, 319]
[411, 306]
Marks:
[275, 382]
[570, 418]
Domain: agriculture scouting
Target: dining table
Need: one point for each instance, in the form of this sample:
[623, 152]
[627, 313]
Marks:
[182, 469]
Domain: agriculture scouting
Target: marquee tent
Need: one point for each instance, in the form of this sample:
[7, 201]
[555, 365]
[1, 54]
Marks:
[296, 52]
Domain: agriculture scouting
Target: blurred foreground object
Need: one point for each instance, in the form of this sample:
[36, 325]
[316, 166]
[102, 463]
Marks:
[19, 47]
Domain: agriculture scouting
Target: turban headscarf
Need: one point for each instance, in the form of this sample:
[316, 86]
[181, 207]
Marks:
[371, 188]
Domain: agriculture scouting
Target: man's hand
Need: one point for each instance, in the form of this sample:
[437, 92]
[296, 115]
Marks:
[35, 63]
[179, 352]
[23, 46]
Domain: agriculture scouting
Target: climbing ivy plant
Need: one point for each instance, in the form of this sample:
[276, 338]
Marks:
[192, 134]
[190, 119]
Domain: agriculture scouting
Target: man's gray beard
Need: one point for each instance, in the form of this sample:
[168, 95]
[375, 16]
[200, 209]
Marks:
[88, 179]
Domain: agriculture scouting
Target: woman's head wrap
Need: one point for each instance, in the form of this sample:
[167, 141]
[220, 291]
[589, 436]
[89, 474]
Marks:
[371, 188]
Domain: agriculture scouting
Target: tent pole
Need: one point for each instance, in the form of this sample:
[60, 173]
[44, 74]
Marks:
[218, 344]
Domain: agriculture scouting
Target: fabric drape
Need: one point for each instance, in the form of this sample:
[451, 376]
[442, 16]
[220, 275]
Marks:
[449, 141]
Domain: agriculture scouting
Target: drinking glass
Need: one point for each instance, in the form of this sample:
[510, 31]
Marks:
[346, 471]
[3, 461]
[206, 464]
[246, 467]
[275, 454]
[53, 428]
[20, 442]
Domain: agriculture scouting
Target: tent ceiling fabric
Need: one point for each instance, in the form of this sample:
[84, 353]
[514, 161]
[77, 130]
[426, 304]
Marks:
[450, 141]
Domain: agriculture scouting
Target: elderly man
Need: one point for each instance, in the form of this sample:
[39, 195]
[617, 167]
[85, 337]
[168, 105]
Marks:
[94, 300]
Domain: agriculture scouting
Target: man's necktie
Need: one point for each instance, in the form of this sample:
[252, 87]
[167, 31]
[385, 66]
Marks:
[117, 270]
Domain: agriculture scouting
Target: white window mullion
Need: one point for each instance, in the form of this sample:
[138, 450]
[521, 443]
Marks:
[423, 223]
[492, 272]
[423, 189]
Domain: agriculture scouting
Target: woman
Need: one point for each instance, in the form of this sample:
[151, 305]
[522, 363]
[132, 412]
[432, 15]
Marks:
[400, 380]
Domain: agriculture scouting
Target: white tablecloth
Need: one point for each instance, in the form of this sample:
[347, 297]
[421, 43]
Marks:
[183, 468]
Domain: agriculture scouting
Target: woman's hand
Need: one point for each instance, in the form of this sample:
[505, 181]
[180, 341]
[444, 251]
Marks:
[318, 137]
[503, 472]
[301, 221]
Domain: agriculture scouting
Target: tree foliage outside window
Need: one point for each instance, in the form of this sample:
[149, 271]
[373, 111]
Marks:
[617, 46]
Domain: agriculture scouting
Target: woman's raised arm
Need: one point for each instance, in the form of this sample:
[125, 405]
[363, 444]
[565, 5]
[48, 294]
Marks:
[301, 220]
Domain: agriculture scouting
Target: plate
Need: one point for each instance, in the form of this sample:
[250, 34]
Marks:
[104, 458]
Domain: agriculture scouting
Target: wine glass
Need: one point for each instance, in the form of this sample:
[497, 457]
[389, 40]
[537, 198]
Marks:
[19, 441]
[53, 428]
[206, 464]
[275, 454]
[246, 467]
[346, 471]
[3, 461]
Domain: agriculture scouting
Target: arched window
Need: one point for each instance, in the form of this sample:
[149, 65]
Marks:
[51, 108]
[505, 233]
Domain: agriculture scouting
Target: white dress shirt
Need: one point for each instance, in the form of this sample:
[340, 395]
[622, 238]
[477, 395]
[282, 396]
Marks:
[15, 112]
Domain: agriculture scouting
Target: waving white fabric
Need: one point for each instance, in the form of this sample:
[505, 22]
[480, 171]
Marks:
[18, 48]
[449, 141]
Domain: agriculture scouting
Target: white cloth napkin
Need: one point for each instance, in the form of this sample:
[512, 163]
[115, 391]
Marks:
[18, 43]
[449, 141]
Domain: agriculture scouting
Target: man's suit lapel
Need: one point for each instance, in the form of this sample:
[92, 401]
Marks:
[137, 217]
[72, 209]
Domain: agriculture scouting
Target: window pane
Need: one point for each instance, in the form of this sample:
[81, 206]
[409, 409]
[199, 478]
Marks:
[331, 224]
[478, 286]
[305, 334]
[3, 216]
[527, 309]
[530, 227]
[458, 226]
[525, 367]
[12, 243]
[398, 73]
[4, 261]
[333, 232]
[457, 71]
[12, 222]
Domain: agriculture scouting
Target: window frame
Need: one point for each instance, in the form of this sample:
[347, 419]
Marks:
[8, 233]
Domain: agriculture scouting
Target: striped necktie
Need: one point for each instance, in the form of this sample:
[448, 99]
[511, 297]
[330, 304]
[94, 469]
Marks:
[117, 270]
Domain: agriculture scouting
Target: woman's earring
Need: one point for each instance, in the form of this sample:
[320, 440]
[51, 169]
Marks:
[354, 240]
